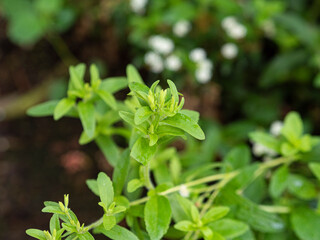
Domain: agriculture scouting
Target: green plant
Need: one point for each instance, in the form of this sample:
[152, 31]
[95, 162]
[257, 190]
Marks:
[29, 21]
[157, 192]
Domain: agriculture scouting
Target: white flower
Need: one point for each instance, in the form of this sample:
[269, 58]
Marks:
[229, 22]
[203, 75]
[138, 6]
[275, 128]
[197, 54]
[233, 28]
[237, 32]
[154, 61]
[181, 28]
[229, 50]
[184, 192]
[260, 150]
[161, 44]
[173, 63]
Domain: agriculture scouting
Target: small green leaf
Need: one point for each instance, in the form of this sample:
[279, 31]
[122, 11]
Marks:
[133, 75]
[185, 226]
[288, 150]
[136, 87]
[185, 123]
[87, 117]
[229, 228]
[237, 158]
[279, 181]
[113, 84]
[63, 108]
[214, 214]
[266, 140]
[301, 187]
[94, 75]
[305, 224]
[93, 186]
[142, 152]
[173, 90]
[129, 118]
[105, 189]
[109, 149]
[134, 184]
[194, 115]
[38, 234]
[108, 98]
[76, 76]
[195, 214]
[54, 223]
[43, 109]
[142, 115]
[157, 214]
[315, 169]
[116, 233]
[293, 127]
[109, 221]
[121, 171]
[85, 236]
[207, 233]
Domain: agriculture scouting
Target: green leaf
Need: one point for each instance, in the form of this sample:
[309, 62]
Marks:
[138, 87]
[165, 130]
[85, 236]
[293, 127]
[105, 189]
[238, 157]
[305, 223]
[76, 76]
[108, 98]
[121, 172]
[116, 233]
[87, 117]
[142, 115]
[301, 187]
[94, 75]
[185, 123]
[279, 181]
[109, 149]
[173, 90]
[229, 228]
[185, 226]
[38, 234]
[157, 214]
[85, 139]
[52, 209]
[54, 223]
[113, 84]
[194, 115]
[214, 214]
[63, 107]
[43, 109]
[109, 221]
[315, 169]
[93, 186]
[142, 152]
[134, 184]
[216, 236]
[288, 149]
[129, 118]
[266, 140]
[133, 75]
[208, 234]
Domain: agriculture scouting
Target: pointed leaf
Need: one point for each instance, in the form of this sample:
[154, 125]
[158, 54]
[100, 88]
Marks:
[116, 233]
[279, 181]
[133, 75]
[105, 189]
[108, 98]
[87, 117]
[43, 109]
[63, 107]
[142, 152]
[142, 115]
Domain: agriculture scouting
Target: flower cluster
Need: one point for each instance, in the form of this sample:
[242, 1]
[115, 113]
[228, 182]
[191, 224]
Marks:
[204, 66]
[181, 28]
[138, 6]
[161, 55]
[233, 28]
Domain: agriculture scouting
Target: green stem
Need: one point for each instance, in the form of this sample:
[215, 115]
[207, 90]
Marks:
[147, 179]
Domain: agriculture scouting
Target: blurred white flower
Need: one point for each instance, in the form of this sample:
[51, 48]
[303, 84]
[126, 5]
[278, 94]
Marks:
[197, 54]
[276, 127]
[233, 28]
[161, 44]
[173, 63]
[229, 22]
[154, 61]
[138, 6]
[181, 28]
[229, 50]
[260, 150]
[203, 75]
[183, 191]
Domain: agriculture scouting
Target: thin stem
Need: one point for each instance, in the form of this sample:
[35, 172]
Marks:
[147, 179]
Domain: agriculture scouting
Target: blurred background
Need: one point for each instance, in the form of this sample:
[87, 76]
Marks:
[243, 64]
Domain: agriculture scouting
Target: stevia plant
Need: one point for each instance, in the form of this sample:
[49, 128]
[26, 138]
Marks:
[157, 192]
